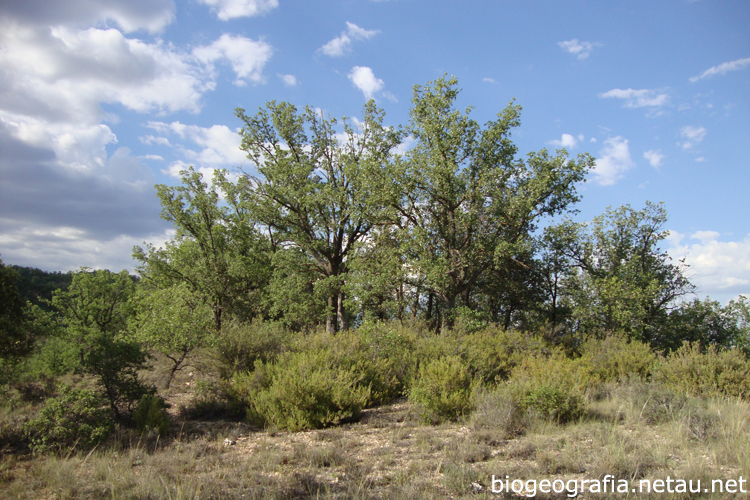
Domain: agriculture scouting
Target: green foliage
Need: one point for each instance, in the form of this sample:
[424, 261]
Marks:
[317, 192]
[241, 344]
[15, 340]
[615, 358]
[551, 387]
[302, 390]
[217, 251]
[465, 203]
[37, 286]
[54, 357]
[443, 389]
[173, 321]
[626, 283]
[96, 310]
[490, 354]
[706, 322]
[715, 372]
[74, 420]
[150, 414]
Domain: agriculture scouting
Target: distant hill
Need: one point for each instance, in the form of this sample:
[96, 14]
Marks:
[35, 285]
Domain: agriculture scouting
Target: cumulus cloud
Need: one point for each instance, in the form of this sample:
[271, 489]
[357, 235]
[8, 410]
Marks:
[638, 98]
[720, 269]
[230, 9]
[214, 147]
[246, 56]
[654, 157]
[566, 141]
[342, 44]
[66, 217]
[364, 79]
[489, 80]
[580, 49]
[693, 136]
[288, 80]
[723, 69]
[613, 161]
[128, 15]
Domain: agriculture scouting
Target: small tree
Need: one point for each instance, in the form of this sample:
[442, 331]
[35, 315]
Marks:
[174, 322]
[95, 310]
[625, 283]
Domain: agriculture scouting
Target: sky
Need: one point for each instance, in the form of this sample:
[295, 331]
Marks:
[102, 99]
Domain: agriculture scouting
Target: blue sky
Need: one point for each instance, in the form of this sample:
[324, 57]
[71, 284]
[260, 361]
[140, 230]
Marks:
[101, 99]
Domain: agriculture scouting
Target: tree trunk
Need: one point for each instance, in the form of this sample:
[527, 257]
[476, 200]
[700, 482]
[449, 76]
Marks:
[448, 314]
[330, 315]
[341, 312]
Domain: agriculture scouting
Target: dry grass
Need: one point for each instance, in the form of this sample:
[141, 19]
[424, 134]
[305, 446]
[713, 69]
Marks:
[631, 430]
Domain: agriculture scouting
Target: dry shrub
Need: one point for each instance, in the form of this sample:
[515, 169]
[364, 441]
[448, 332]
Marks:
[616, 358]
[552, 388]
[443, 390]
[714, 372]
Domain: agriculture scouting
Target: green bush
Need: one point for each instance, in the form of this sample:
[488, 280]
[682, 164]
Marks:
[382, 355]
[150, 414]
[302, 390]
[714, 372]
[240, 344]
[552, 388]
[492, 353]
[75, 419]
[443, 389]
[616, 358]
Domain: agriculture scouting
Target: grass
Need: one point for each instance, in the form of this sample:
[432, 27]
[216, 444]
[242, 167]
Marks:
[390, 454]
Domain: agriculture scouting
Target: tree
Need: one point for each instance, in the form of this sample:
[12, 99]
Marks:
[216, 251]
[95, 311]
[316, 189]
[15, 338]
[625, 282]
[173, 321]
[466, 201]
[707, 323]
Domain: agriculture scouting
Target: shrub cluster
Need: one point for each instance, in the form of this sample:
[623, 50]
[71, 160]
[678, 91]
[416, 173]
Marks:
[75, 419]
[712, 372]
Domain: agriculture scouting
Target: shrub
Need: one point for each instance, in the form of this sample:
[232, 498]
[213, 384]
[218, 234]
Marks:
[150, 414]
[240, 344]
[615, 358]
[302, 390]
[552, 388]
[713, 373]
[492, 353]
[76, 418]
[443, 389]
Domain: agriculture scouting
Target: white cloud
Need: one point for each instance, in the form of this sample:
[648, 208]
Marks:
[246, 56]
[342, 44]
[489, 80]
[567, 141]
[230, 9]
[152, 139]
[614, 160]
[720, 269]
[288, 80]
[654, 157]
[364, 79]
[578, 48]
[218, 146]
[638, 98]
[693, 136]
[723, 69]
